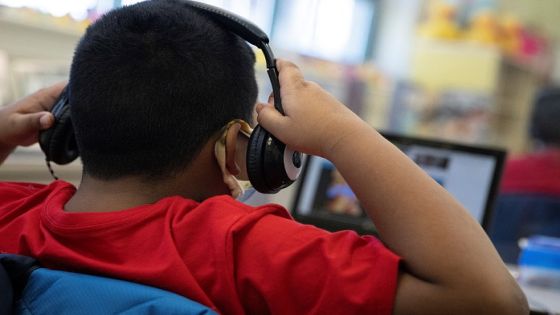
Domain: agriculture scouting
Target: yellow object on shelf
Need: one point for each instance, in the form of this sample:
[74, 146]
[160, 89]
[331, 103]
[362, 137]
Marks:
[466, 66]
[512, 36]
[484, 29]
[440, 24]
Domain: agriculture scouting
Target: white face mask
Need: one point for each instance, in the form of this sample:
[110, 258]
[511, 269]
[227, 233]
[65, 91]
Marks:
[239, 189]
[248, 193]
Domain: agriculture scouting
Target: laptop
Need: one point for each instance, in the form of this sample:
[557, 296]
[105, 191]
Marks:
[470, 173]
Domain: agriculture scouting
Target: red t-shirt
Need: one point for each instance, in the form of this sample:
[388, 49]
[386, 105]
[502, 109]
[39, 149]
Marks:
[232, 257]
[537, 173]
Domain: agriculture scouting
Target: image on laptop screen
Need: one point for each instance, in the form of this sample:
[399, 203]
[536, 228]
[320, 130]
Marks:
[471, 174]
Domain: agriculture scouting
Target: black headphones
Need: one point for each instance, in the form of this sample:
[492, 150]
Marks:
[271, 165]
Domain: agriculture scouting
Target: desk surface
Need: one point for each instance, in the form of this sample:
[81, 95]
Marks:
[542, 299]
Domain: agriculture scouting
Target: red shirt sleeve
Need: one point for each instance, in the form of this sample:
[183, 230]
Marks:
[283, 267]
[13, 195]
[10, 191]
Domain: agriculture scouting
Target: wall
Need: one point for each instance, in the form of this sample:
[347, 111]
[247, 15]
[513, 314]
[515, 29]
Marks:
[395, 34]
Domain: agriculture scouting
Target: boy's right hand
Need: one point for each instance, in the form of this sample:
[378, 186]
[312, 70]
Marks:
[314, 122]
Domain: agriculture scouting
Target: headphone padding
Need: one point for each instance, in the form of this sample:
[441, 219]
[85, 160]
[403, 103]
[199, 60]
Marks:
[62, 148]
[255, 159]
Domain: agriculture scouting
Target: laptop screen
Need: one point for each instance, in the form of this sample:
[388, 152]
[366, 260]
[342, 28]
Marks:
[471, 174]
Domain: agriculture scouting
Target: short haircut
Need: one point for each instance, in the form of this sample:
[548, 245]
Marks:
[150, 84]
[545, 121]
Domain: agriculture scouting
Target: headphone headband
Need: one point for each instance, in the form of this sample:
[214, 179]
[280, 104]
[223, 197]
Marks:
[249, 32]
[233, 22]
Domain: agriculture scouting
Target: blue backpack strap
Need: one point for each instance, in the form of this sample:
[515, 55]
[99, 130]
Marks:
[14, 272]
[58, 292]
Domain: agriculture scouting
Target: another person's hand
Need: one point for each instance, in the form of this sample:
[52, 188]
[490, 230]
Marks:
[21, 121]
[315, 121]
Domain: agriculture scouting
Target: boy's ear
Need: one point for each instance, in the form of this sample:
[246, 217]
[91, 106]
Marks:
[231, 149]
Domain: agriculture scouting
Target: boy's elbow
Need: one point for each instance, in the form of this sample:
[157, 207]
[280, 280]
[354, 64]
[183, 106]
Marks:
[506, 300]
[513, 301]
[499, 295]
[493, 293]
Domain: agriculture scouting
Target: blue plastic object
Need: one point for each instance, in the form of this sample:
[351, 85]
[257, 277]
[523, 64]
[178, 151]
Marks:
[541, 251]
[539, 262]
[58, 292]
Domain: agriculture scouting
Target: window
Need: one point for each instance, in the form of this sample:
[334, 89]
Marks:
[337, 30]
[259, 12]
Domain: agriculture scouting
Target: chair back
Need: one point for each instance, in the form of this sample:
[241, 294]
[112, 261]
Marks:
[519, 216]
[35, 290]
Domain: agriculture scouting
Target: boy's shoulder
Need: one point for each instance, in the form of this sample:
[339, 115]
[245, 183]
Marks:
[10, 191]
[224, 212]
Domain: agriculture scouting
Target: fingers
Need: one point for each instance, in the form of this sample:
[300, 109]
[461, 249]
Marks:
[267, 116]
[21, 121]
[46, 120]
[289, 74]
[271, 98]
[45, 98]
[28, 123]
[270, 119]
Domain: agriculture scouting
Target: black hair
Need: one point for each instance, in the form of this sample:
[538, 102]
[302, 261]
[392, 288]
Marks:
[545, 120]
[150, 84]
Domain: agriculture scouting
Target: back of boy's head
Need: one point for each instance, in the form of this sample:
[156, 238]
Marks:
[545, 121]
[150, 84]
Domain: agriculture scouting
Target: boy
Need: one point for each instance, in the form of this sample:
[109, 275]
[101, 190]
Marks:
[151, 88]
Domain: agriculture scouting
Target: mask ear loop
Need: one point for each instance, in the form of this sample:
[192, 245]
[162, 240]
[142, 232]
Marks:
[247, 193]
[246, 186]
[236, 187]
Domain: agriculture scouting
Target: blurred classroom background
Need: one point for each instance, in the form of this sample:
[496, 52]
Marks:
[461, 71]
[458, 70]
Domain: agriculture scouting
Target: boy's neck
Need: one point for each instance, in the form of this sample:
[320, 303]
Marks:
[201, 180]
[96, 195]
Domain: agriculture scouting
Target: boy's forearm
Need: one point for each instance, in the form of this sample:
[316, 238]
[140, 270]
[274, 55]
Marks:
[436, 237]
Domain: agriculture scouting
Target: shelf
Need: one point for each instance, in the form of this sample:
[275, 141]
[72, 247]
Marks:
[37, 37]
[7, 20]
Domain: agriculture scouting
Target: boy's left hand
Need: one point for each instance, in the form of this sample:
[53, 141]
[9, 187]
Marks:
[21, 121]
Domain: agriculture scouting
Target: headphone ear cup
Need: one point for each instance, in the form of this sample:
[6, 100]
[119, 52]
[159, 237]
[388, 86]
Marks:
[58, 142]
[266, 162]
[255, 159]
